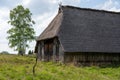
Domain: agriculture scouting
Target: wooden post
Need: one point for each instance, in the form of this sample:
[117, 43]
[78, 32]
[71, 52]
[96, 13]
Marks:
[42, 50]
[61, 54]
[54, 49]
[38, 56]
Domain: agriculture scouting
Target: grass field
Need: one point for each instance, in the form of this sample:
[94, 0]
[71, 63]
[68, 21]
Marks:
[14, 67]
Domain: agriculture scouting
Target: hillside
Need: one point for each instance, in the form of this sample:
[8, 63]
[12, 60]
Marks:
[14, 67]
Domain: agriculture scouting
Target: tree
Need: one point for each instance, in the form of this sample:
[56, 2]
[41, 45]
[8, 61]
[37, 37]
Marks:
[22, 30]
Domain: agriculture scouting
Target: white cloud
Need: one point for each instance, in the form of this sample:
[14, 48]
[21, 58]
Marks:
[26, 2]
[4, 13]
[110, 5]
[87, 0]
[53, 1]
[71, 2]
[115, 9]
[43, 20]
[107, 5]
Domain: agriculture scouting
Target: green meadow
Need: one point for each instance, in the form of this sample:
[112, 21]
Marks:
[14, 67]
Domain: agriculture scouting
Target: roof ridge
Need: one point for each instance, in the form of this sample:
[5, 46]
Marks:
[97, 10]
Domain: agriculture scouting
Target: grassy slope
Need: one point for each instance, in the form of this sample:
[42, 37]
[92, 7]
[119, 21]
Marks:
[13, 67]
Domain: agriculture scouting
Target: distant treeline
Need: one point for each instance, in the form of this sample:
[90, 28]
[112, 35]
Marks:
[4, 52]
[30, 52]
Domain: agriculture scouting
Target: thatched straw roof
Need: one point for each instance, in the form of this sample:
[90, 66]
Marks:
[85, 30]
[52, 29]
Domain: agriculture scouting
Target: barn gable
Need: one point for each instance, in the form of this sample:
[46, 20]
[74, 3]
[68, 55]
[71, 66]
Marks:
[52, 30]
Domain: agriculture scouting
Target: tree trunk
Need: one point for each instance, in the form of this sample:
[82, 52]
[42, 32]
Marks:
[20, 52]
[22, 49]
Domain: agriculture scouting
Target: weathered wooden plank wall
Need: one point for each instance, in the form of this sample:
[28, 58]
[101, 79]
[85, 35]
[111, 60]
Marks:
[92, 58]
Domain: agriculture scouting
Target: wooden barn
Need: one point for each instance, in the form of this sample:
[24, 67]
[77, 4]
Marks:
[81, 36]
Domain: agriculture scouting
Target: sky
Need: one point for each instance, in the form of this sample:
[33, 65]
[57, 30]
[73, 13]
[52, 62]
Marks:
[43, 12]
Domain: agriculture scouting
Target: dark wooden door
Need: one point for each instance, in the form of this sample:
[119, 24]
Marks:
[48, 50]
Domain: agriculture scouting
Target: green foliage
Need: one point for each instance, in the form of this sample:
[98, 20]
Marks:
[14, 67]
[22, 31]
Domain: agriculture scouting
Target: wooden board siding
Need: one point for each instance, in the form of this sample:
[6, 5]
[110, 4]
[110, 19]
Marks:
[61, 54]
[39, 55]
[92, 58]
[48, 50]
[57, 51]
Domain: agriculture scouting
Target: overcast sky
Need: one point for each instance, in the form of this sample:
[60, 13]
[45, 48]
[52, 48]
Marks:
[43, 12]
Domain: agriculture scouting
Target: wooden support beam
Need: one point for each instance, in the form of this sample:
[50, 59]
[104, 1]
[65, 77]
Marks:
[39, 51]
[42, 50]
[54, 50]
